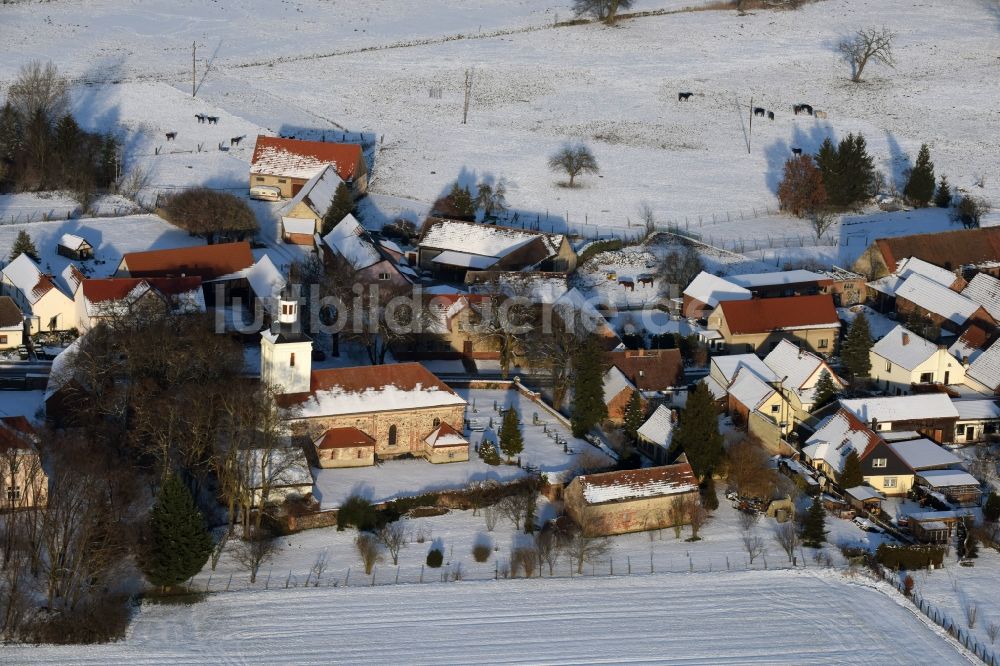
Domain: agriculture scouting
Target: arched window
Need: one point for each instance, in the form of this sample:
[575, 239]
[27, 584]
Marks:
[392, 435]
[437, 422]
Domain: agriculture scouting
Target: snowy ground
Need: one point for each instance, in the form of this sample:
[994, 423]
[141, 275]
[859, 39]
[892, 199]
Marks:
[398, 478]
[738, 618]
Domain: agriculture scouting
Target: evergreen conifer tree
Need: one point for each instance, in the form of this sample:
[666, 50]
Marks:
[339, 208]
[709, 498]
[825, 390]
[919, 189]
[814, 528]
[488, 452]
[851, 476]
[828, 161]
[589, 408]
[23, 245]
[857, 170]
[856, 347]
[178, 541]
[967, 546]
[991, 508]
[461, 199]
[943, 197]
[511, 441]
[633, 417]
[697, 432]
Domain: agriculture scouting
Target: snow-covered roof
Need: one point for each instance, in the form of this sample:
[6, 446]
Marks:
[904, 348]
[317, 193]
[915, 265]
[751, 280]
[298, 225]
[444, 436]
[265, 280]
[293, 158]
[285, 467]
[61, 370]
[72, 241]
[717, 390]
[986, 368]
[638, 483]
[977, 410]
[947, 478]
[922, 453]
[659, 427]
[110, 296]
[835, 438]
[350, 240]
[902, 407]
[797, 365]
[539, 287]
[464, 260]
[863, 493]
[72, 277]
[985, 290]
[399, 386]
[937, 298]
[615, 382]
[27, 278]
[730, 365]
[486, 240]
[711, 289]
[749, 389]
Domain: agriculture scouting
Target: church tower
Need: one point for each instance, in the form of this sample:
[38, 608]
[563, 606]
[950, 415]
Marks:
[285, 351]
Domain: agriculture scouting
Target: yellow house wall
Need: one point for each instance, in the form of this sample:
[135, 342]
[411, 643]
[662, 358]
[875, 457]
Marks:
[904, 482]
[354, 456]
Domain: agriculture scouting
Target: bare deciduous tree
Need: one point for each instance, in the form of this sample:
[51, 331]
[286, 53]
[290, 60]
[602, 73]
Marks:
[647, 217]
[821, 220]
[256, 548]
[865, 45]
[547, 547]
[394, 537]
[603, 10]
[583, 549]
[678, 267]
[491, 515]
[39, 88]
[368, 548]
[971, 614]
[678, 514]
[696, 514]
[787, 536]
[523, 559]
[319, 567]
[516, 508]
[993, 631]
[573, 160]
[753, 543]
[747, 470]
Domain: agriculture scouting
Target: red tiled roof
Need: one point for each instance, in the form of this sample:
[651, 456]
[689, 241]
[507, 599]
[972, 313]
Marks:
[857, 425]
[115, 289]
[16, 433]
[344, 157]
[761, 315]
[206, 261]
[43, 287]
[947, 249]
[632, 484]
[403, 376]
[446, 433]
[343, 438]
[650, 369]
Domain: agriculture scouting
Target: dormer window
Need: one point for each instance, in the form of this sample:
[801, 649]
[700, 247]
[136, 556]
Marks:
[880, 463]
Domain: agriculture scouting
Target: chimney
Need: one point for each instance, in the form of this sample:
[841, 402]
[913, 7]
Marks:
[906, 339]
[874, 425]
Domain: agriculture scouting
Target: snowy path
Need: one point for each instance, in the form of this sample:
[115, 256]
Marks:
[756, 617]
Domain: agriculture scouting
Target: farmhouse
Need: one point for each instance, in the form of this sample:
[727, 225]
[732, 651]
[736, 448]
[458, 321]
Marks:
[618, 390]
[108, 298]
[11, 324]
[706, 291]
[945, 308]
[950, 250]
[902, 360]
[930, 414]
[977, 419]
[758, 325]
[46, 307]
[800, 370]
[652, 371]
[452, 247]
[349, 245]
[632, 500]
[289, 164]
[303, 214]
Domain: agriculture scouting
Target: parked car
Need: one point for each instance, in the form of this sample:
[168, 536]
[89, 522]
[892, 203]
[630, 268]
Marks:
[265, 193]
[867, 525]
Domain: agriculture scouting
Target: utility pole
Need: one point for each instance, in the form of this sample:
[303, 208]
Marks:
[194, 73]
[468, 96]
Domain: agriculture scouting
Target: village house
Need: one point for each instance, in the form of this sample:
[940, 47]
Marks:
[289, 164]
[931, 414]
[349, 245]
[107, 298]
[760, 324]
[973, 341]
[835, 438]
[655, 372]
[950, 250]
[944, 307]
[751, 397]
[706, 291]
[983, 373]
[456, 329]
[977, 420]
[74, 247]
[722, 370]
[632, 500]
[800, 371]
[783, 283]
[45, 306]
[984, 289]
[302, 216]
[23, 482]
[656, 434]
[846, 287]
[882, 292]
[618, 391]
[450, 248]
[902, 360]
[11, 324]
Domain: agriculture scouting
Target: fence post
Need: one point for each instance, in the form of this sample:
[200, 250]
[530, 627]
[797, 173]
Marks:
[421, 573]
[374, 569]
[397, 575]
[268, 581]
[629, 559]
[650, 560]
[230, 582]
[347, 578]
[209, 583]
[612, 567]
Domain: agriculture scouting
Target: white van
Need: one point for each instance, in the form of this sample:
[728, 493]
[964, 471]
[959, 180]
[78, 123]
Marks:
[265, 193]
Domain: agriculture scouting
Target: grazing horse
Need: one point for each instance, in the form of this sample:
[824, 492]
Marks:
[796, 151]
[759, 111]
[770, 115]
[646, 279]
[212, 120]
[683, 96]
[171, 136]
[627, 284]
[820, 114]
[200, 117]
[235, 141]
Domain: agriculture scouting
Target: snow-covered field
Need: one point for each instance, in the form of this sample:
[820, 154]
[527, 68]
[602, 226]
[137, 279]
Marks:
[760, 617]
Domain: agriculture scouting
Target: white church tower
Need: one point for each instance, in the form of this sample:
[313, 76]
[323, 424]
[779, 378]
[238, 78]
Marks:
[285, 351]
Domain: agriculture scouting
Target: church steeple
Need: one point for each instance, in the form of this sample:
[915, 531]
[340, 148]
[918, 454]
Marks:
[285, 351]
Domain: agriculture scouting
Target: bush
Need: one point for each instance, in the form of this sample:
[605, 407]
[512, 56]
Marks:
[801, 190]
[991, 508]
[435, 558]
[357, 512]
[481, 552]
[970, 211]
[210, 214]
[100, 620]
[909, 557]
